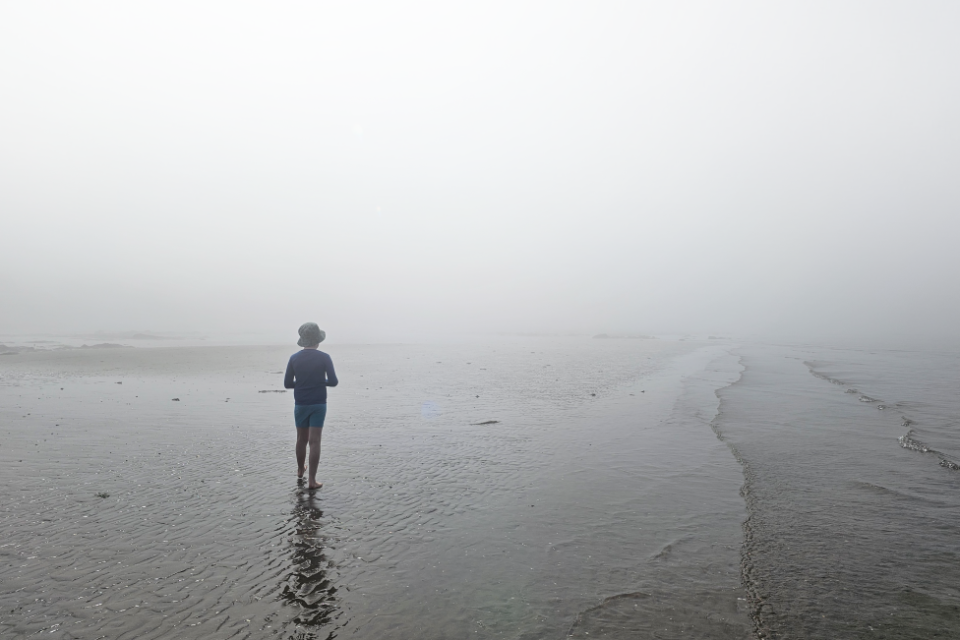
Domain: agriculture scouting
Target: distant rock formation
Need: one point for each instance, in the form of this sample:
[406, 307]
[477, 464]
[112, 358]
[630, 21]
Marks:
[624, 336]
[12, 351]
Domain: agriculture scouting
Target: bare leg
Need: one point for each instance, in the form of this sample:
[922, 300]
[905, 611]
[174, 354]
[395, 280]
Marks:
[315, 433]
[302, 438]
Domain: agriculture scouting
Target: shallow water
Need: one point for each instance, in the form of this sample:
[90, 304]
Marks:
[852, 532]
[599, 502]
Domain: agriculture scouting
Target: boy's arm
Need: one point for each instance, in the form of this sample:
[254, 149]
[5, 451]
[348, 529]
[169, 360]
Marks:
[331, 374]
[288, 376]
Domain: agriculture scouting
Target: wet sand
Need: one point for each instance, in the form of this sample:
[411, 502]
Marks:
[599, 502]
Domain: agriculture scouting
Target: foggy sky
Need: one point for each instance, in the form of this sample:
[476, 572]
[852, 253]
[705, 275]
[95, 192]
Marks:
[400, 168]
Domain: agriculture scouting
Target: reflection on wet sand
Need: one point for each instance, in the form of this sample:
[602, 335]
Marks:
[430, 525]
[308, 586]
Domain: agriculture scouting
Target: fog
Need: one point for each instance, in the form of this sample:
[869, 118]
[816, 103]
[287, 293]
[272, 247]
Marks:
[397, 170]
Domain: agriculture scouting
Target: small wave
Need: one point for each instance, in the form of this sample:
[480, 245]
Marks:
[823, 376]
[894, 493]
[907, 441]
[667, 550]
[841, 383]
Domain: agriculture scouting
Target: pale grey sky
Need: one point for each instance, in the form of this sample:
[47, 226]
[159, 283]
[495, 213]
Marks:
[384, 168]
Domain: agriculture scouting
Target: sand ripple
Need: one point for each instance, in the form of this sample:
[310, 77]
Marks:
[428, 522]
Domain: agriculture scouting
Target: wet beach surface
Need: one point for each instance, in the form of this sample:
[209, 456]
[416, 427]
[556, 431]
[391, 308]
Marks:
[595, 501]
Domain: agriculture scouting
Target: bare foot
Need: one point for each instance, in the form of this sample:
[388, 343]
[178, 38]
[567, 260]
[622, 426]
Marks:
[301, 471]
[314, 485]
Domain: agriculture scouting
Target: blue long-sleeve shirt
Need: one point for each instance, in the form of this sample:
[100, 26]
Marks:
[309, 373]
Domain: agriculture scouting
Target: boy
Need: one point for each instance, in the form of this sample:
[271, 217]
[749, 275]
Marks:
[309, 373]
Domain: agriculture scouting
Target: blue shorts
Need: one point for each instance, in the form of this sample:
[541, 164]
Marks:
[309, 415]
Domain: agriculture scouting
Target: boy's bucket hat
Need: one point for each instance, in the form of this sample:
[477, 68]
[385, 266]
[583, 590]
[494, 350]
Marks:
[310, 334]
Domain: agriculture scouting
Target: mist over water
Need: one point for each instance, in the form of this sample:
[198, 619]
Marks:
[766, 170]
[645, 316]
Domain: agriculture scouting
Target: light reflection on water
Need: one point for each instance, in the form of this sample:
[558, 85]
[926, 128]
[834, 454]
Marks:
[308, 587]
